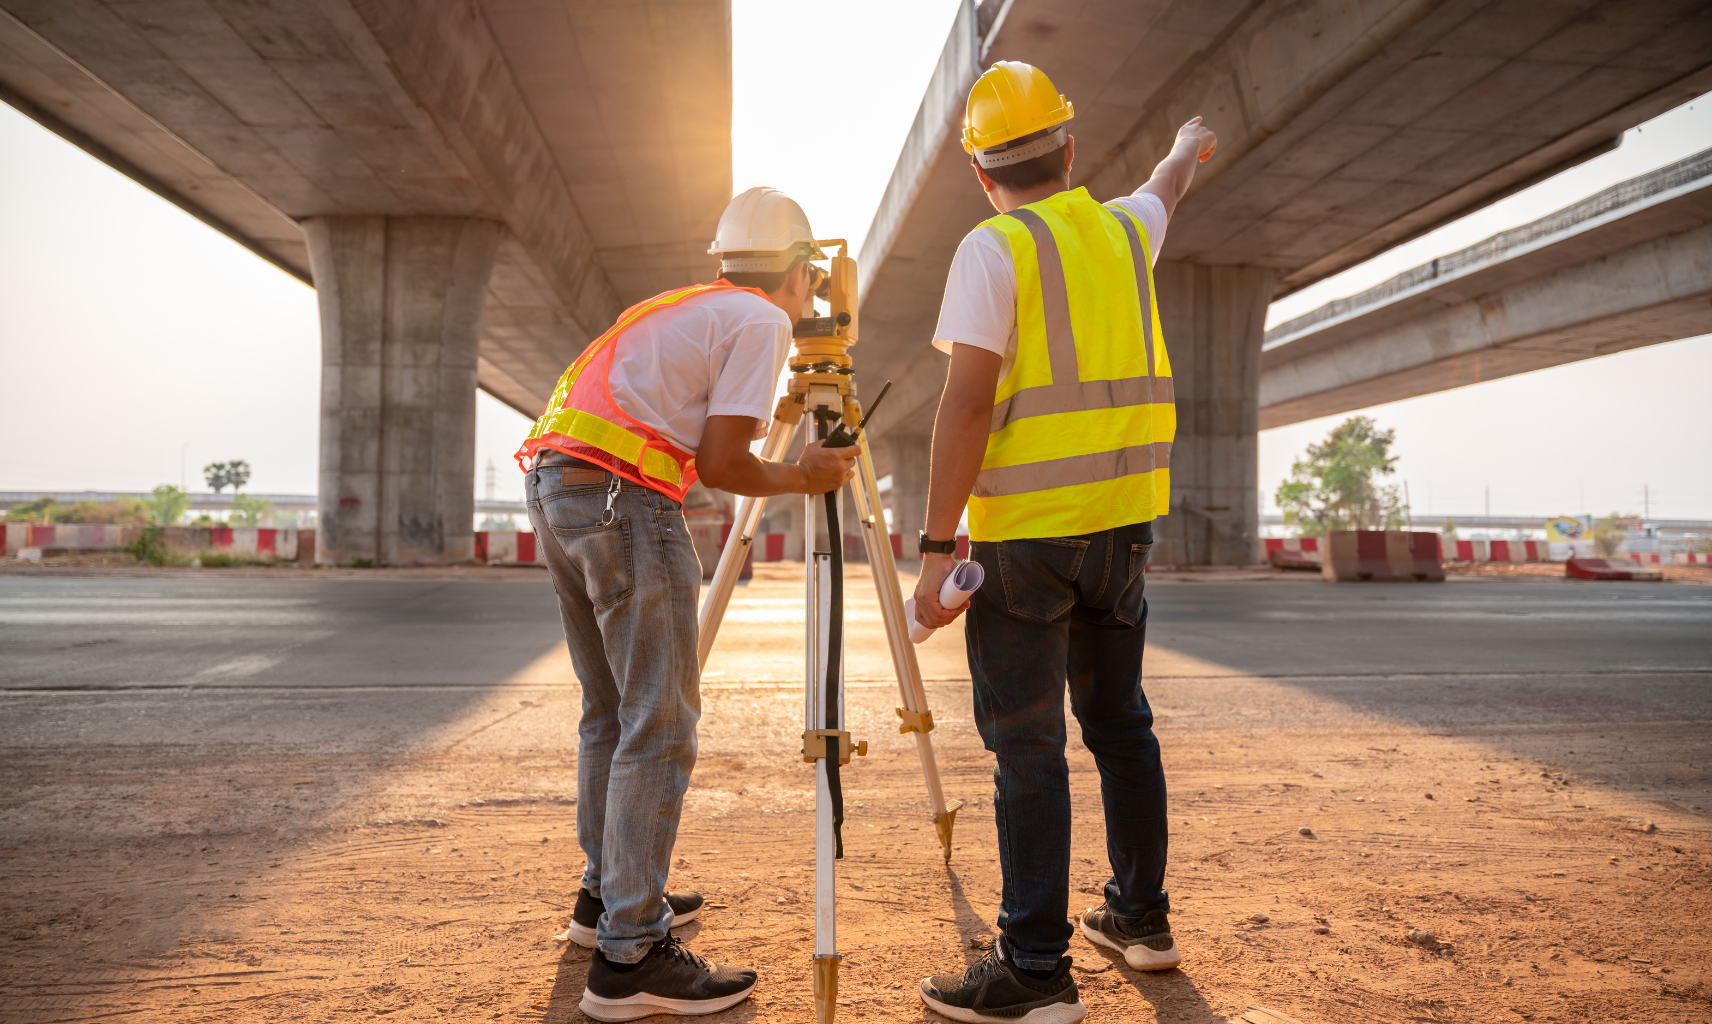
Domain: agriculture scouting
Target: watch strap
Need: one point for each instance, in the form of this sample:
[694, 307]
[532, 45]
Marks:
[938, 547]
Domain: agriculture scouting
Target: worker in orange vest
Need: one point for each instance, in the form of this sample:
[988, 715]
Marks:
[677, 389]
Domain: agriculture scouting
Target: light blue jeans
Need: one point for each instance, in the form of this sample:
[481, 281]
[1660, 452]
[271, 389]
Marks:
[627, 584]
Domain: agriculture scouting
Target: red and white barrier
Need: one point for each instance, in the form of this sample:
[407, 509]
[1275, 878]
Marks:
[1512, 551]
[1382, 555]
[1294, 552]
[282, 544]
[1609, 569]
[1690, 558]
[66, 536]
[507, 547]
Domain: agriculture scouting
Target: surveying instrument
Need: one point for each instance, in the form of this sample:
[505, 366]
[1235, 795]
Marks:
[823, 388]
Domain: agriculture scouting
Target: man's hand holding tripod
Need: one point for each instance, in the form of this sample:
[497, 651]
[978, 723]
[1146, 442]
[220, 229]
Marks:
[724, 462]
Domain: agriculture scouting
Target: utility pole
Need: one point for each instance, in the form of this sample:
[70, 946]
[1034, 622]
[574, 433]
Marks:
[490, 478]
[1646, 501]
[1489, 501]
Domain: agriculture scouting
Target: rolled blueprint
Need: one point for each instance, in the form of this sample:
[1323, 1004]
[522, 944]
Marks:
[954, 593]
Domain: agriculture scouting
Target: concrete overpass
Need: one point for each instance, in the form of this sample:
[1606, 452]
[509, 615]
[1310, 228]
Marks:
[476, 188]
[1629, 267]
[1344, 129]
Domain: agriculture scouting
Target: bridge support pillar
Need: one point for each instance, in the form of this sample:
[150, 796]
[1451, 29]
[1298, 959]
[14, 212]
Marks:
[1214, 318]
[910, 455]
[401, 303]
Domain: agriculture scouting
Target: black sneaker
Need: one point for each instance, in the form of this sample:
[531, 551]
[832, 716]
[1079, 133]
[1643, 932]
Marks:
[1145, 942]
[995, 991]
[668, 979]
[686, 907]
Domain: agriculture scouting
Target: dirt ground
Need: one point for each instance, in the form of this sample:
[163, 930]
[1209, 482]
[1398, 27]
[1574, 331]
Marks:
[1561, 870]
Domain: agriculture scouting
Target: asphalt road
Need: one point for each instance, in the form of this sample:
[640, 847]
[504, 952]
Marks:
[355, 662]
[115, 633]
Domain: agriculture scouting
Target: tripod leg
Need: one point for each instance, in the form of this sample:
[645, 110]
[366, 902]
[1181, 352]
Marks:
[737, 548]
[915, 715]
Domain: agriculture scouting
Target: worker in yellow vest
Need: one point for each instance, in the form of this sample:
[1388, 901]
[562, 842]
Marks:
[676, 389]
[1055, 431]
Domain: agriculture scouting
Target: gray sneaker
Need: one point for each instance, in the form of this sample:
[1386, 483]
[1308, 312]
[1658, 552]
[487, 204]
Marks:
[1145, 942]
[995, 992]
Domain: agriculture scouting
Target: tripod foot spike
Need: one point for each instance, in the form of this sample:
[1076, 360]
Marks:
[943, 823]
[826, 987]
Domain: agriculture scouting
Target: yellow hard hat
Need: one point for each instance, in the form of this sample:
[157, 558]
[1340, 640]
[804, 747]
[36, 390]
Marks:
[1011, 101]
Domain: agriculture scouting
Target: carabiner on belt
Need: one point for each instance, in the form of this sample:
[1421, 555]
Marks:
[609, 517]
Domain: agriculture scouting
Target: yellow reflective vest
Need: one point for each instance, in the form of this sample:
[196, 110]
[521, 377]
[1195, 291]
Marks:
[1080, 439]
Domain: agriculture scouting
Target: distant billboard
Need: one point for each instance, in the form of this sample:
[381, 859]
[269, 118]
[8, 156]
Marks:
[1568, 528]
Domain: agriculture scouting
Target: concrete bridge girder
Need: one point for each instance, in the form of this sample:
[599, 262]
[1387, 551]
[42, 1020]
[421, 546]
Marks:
[1652, 293]
[1627, 267]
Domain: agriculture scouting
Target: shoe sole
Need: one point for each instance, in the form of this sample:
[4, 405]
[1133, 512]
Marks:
[1056, 1013]
[644, 1005]
[584, 936]
[1137, 956]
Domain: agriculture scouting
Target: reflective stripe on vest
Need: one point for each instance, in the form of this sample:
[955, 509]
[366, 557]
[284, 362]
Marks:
[1081, 429]
[583, 420]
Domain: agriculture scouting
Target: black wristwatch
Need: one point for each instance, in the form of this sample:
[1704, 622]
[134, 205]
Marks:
[938, 547]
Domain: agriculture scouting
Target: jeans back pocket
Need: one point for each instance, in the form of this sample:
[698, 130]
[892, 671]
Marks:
[1039, 576]
[603, 555]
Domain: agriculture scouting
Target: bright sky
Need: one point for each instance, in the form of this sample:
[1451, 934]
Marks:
[135, 340]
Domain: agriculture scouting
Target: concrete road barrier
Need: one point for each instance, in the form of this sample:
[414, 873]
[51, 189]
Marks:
[286, 545]
[1382, 556]
[1294, 552]
[1604, 569]
[507, 547]
[1513, 551]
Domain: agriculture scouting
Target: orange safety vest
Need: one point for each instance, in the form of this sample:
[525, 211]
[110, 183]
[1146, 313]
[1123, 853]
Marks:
[582, 420]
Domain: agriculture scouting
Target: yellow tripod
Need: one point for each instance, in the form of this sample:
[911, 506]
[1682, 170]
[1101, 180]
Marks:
[823, 387]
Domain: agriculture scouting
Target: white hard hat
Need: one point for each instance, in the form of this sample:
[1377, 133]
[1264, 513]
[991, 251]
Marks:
[763, 231]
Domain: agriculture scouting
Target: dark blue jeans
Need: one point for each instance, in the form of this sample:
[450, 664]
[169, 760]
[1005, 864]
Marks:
[1055, 610]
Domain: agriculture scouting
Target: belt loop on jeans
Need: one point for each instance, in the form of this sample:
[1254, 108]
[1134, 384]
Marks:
[607, 518]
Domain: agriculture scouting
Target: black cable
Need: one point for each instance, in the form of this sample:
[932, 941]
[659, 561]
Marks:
[834, 651]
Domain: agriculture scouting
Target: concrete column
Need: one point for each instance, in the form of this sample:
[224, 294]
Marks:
[1214, 319]
[401, 302]
[910, 456]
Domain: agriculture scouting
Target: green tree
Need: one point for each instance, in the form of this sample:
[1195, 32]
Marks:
[168, 504]
[248, 510]
[41, 511]
[45, 510]
[1334, 486]
[220, 475]
[1607, 535]
[1448, 531]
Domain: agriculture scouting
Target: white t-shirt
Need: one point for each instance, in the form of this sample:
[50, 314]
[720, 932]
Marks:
[981, 291]
[718, 354]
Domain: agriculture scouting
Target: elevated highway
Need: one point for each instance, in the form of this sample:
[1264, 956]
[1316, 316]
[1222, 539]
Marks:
[1628, 267]
[476, 188]
[1343, 130]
